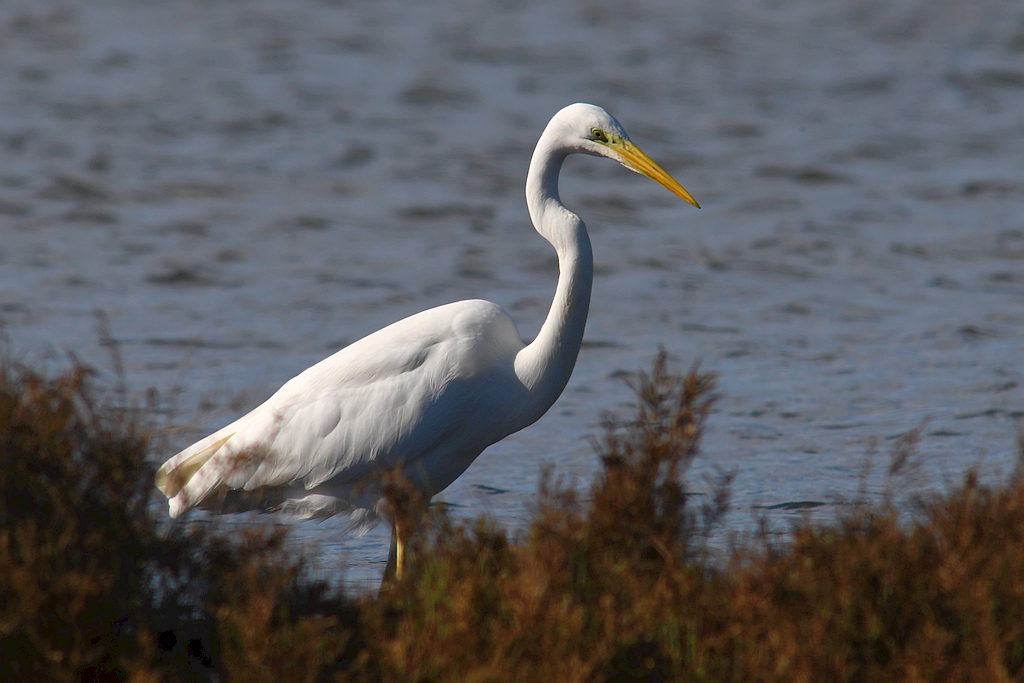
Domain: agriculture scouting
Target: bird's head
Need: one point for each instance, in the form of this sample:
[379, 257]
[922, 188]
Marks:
[590, 129]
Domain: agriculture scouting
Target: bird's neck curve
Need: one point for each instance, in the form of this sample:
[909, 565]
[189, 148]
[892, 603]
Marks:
[544, 365]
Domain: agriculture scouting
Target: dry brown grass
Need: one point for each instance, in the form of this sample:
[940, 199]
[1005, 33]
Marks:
[611, 584]
[94, 587]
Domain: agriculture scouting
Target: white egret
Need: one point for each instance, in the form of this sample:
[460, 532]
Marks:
[426, 394]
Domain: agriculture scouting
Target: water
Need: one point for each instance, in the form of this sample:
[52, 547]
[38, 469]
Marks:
[243, 187]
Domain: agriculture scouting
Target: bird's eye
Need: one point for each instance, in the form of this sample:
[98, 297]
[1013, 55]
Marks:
[598, 135]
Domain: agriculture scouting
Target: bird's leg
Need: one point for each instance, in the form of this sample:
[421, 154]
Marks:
[399, 552]
[396, 558]
[402, 527]
[390, 570]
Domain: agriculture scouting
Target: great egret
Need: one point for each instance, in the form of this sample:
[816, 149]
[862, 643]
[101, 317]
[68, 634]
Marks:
[426, 394]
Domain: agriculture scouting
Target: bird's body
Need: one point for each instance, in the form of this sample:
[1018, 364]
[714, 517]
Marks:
[426, 394]
[408, 395]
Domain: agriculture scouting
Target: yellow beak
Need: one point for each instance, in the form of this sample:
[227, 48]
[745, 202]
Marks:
[634, 159]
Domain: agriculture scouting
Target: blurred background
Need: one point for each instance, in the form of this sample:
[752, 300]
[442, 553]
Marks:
[241, 187]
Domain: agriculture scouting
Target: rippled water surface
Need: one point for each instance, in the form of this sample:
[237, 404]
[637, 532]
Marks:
[244, 186]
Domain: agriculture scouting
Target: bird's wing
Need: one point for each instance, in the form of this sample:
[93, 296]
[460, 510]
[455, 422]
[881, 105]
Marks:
[326, 430]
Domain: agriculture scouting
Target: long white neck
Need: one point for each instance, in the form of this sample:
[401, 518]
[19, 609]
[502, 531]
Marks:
[544, 366]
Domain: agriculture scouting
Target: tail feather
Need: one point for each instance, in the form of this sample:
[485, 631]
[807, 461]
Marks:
[175, 474]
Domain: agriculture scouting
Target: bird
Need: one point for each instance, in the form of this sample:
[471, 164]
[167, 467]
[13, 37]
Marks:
[425, 395]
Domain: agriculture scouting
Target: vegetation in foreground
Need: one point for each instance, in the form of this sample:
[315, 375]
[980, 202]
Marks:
[611, 585]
